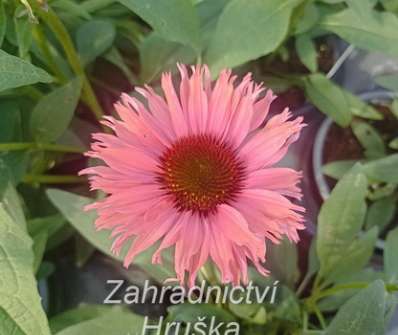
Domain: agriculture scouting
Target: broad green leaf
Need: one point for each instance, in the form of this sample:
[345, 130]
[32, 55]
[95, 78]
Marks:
[329, 98]
[356, 256]
[369, 138]
[390, 256]
[383, 169]
[376, 31]
[12, 203]
[253, 313]
[3, 23]
[381, 212]
[14, 164]
[362, 314]
[159, 54]
[71, 7]
[39, 247]
[190, 312]
[8, 325]
[283, 262]
[394, 144]
[20, 303]
[23, 30]
[53, 113]
[288, 307]
[77, 315]
[16, 72]
[48, 224]
[71, 206]
[390, 5]
[341, 218]
[93, 38]
[240, 38]
[308, 20]
[117, 322]
[307, 52]
[10, 120]
[336, 102]
[174, 20]
[338, 169]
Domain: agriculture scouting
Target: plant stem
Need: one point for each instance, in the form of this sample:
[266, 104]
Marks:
[60, 31]
[43, 45]
[320, 317]
[303, 284]
[16, 146]
[343, 287]
[53, 179]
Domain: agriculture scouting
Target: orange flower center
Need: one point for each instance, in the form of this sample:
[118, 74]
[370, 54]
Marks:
[201, 172]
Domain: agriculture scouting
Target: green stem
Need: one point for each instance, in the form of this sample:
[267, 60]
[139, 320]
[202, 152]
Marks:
[350, 286]
[320, 317]
[42, 42]
[94, 5]
[14, 146]
[60, 31]
[53, 179]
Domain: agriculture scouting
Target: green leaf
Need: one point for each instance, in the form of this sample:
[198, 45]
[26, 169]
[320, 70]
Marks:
[283, 262]
[117, 322]
[307, 52]
[389, 81]
[23, 30]
[93, 38]
[390, 256]
[308, 20]
[356, 256]
[362, 314]
[71, 206]
[336, 102]
[240, 38]
[16, 72]
[162, 55]
[253, 313]
[77, 315]
[340, 219]
[53, 113]
[338, 169]
[39, 247]
[375, 31]
[390, 5]
[329, 98]
[174, 20]
[11, 202]
[7, 325]
[49, 224]
[394, 144]
[383, 169]
[159, 55]
[20, 303]
[191, 312]
[369, 138]
[380, 213]
[3, 23]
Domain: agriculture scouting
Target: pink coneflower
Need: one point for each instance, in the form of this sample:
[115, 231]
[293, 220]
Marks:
[193, 170]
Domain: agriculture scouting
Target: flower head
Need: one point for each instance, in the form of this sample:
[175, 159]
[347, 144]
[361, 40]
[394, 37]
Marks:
[193, 170]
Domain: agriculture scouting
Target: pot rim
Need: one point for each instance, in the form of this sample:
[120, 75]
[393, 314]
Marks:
[319, 144]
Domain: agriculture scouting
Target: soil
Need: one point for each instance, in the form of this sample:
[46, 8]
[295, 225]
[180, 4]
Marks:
[294, 97]
[341, 143]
